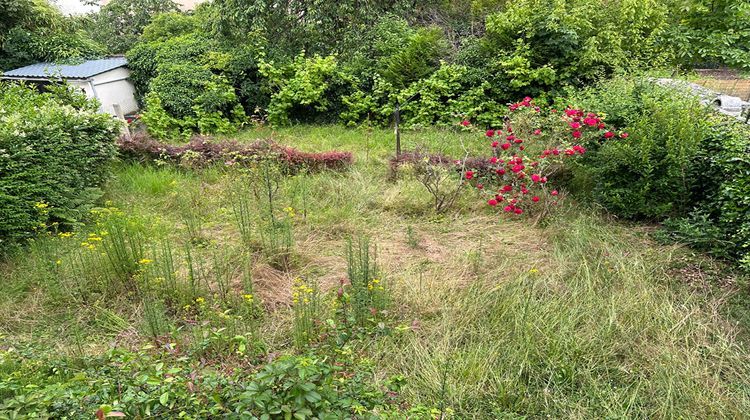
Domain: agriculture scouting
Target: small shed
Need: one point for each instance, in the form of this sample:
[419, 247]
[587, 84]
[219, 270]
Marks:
[105, 79]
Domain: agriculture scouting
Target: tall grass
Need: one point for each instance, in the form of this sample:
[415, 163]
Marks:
[599, 333]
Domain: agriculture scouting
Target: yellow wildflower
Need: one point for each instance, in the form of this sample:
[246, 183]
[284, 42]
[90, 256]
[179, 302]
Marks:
[41, 205]
[248, 298]
[533, 271]
[145, 261]
[65, 234]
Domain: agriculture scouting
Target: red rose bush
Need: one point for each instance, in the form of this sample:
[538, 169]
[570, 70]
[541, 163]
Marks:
[528, 151]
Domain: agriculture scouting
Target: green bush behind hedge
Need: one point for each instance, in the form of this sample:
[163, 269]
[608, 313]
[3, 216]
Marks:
[55, 151]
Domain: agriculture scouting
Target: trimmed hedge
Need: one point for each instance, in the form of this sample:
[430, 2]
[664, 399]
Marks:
[55, 151]
[201, 151]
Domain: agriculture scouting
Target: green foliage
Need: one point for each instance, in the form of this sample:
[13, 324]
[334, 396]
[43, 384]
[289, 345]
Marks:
[55, 151]
[535, 46]
[414, 58]
[165, 26]
[301, 88]
[178, 81]
[722, 184]
[119, 23]
[648, 175]
[311, 386]
[432, 100]
[715, 32]
[681, 162]
[34, 30]
[145, 385]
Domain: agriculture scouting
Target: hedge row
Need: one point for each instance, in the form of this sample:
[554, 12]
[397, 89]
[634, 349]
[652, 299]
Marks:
[201, 151]
[55, 151]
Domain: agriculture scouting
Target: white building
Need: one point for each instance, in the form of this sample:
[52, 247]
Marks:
[106, 80]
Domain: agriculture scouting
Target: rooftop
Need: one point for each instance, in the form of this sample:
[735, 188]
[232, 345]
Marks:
[75, 71]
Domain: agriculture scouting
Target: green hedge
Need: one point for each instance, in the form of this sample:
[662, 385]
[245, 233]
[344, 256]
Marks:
[682, 164]
[55, 151]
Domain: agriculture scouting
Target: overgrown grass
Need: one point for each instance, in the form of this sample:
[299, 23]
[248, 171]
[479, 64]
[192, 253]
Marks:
[485, 317]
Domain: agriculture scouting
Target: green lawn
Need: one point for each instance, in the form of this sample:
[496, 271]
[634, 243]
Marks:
[483, 316]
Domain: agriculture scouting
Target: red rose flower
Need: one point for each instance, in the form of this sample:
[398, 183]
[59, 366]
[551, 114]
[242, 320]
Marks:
[535, 199]
[536, 178]
[554, 192]
[494, 144]
[490, 133]
[609, 135]
[492, 202]
[465, 123]
[624, 135]
[469, 174]
[517, 211]
[505, 146]
[537, 132]
[577, 134]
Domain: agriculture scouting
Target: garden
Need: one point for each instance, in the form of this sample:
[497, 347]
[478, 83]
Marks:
[555, 234]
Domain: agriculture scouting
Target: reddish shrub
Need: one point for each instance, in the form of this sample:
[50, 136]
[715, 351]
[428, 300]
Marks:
[201, 150]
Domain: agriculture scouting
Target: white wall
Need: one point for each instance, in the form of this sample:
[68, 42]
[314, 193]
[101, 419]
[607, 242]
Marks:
[113, 87]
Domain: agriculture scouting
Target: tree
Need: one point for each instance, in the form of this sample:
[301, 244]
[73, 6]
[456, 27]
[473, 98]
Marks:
[34, 30]
[120, 22]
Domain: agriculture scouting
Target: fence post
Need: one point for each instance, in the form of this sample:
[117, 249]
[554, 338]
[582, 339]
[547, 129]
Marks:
[397, 119]
[120, 116]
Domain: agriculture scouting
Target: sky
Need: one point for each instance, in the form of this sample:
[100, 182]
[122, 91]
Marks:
[73, 7]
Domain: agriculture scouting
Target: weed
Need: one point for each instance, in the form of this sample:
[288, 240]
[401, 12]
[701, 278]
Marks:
[411, 237]
[306, 304]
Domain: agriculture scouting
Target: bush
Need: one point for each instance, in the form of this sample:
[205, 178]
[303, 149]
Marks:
[648, 176]
[201, 151]
[55, 151]
[721, 174]
[536, 47]
[301, 88]
[682, 162]
[178, 81]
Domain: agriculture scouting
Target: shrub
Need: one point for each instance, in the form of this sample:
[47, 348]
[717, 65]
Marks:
[682, 162]
[55, 151]
[530, 151]
[721, 173]
[302, 88]
[201, 151]
[536, 47]
[177, 80]
[649, 175]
